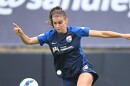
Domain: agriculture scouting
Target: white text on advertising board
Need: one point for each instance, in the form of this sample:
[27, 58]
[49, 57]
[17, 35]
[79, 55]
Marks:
[7, 6]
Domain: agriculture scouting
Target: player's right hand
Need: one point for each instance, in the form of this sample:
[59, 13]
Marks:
[17, 29]
[127, 36]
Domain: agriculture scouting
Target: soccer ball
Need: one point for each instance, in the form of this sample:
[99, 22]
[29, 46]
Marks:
[28, 82]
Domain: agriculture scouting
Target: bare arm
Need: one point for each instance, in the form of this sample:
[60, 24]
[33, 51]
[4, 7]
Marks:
[27, 40]
[104, 34]
[127, 36]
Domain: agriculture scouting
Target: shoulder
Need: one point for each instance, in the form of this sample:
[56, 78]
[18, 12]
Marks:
[44, 37]
[79, 31]
[49, 33]
[77, 28]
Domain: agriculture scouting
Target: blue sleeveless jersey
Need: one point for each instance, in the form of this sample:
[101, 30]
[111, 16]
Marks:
[69, 58]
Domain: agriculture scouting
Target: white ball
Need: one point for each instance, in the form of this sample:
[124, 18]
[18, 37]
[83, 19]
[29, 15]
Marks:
[29, 82]
[59, 72]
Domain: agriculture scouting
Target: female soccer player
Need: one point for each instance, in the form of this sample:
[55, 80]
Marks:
[64, 43]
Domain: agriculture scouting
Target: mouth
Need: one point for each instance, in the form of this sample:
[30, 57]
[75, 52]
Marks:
[58, 29]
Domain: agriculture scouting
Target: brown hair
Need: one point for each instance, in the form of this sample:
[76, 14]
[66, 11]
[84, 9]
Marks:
[54, 11]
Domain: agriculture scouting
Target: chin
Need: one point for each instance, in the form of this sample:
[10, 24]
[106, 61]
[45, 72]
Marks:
[60, 32]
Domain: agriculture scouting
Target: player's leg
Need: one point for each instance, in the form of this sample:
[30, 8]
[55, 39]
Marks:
[85, 79]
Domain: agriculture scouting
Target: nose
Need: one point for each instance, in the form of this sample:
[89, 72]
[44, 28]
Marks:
[57, 25]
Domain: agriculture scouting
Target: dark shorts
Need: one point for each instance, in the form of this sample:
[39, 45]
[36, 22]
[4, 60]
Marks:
[69, 82]
[73, 81]
[88, 69]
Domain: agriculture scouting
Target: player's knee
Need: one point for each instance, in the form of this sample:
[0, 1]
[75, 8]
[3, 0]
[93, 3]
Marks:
[86, 82]
[85, 79]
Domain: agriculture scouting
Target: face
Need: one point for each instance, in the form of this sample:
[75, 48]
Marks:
[60, 23]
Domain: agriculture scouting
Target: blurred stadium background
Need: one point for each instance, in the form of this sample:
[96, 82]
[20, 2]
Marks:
[110, 57]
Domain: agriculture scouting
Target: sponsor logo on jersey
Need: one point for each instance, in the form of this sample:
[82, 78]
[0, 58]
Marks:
[69, 38]
[64, 48]
[55, 49]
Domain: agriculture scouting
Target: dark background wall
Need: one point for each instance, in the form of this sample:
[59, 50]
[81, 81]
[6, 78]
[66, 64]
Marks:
[113, 68]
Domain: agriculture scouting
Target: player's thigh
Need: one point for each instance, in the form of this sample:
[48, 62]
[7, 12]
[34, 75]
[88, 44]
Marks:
[69, 82]
[85, 79]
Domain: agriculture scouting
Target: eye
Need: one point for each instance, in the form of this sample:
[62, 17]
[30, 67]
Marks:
[54, 23]
[60, 22]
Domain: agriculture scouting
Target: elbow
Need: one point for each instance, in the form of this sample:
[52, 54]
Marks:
[27, 43]
[110, 34]
[30, 41]
[105, 34]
